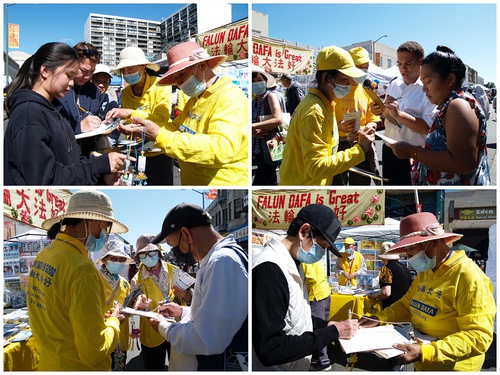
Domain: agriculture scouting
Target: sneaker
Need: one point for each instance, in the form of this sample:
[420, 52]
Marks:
[320, 368]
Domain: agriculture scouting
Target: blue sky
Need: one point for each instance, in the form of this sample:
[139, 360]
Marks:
[143, 210]
[468, 29]
[42, 23]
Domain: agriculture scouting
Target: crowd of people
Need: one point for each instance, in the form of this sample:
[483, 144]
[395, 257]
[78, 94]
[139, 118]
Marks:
[433, 139]
[75, 308]
[55, 99]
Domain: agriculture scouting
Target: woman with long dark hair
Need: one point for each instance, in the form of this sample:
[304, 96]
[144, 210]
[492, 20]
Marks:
[455, 148]
[39, 144]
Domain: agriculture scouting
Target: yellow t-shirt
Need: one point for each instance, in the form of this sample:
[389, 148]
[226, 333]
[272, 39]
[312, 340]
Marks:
[454, 304]
[66, 307]
[310, 156]
[154, 104]
[122, 292]
[356, 100]
[316, 281]
[209, 138]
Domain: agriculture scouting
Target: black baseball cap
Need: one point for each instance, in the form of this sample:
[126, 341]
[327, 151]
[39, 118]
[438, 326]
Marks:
[183, 215]
[325, 221]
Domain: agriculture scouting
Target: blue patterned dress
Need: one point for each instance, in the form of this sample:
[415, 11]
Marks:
[436, 141]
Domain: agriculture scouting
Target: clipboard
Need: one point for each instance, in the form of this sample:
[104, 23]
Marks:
[103, 129]
[146, 314]
[373, 96]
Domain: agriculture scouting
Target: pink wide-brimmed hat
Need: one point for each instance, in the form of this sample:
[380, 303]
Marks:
[185, 55]
[418, 228]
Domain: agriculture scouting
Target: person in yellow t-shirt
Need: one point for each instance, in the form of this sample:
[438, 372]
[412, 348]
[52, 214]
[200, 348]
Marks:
[319, 293]
[350, 265]
[143, 98]
[66, 294]
[311, 155]
[117, 288]
[209, 138]
[357, 100]
[451, 299]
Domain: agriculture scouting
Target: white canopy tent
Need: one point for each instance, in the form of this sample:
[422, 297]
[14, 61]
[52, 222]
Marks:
[31, 235]
[389, 231]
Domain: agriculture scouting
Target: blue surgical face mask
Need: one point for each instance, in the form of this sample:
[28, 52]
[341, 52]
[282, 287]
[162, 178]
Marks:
[132, 78]
[421, 262]
[314, 254]
[259, 88]
[349, 250]
[193, 87]
[150, 261]
[115, 268]
[95, 244]
[340, 90]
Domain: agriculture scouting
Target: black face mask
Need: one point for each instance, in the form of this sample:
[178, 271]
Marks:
[182, 258]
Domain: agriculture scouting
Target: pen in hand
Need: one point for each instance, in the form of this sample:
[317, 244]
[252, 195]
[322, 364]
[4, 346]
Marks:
[349, 314]
[166, 300]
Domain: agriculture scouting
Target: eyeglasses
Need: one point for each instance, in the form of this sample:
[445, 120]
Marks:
[150, 254]
[90, 53]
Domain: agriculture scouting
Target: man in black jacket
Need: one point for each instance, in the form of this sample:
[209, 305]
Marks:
[294, 93]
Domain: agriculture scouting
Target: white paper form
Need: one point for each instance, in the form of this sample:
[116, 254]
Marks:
[182, 279]
[371, 339]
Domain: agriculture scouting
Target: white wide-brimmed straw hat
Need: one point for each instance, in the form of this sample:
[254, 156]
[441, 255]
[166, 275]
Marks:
[184, 55]
[133, 56]
[419, 228]
[271, 81]
[114, 248]
[384, 248]
[91, 205]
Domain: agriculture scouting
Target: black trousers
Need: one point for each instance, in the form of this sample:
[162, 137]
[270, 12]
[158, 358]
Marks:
[265, 173]
[398, 171]
[154, 358]
[160, 170]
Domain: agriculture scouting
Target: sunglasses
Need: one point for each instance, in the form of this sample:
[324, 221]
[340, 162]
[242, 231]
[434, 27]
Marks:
[90, 53]
[150, 254]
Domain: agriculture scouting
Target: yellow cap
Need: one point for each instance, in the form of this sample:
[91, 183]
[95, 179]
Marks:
[336, 58]
[359, 55]
[349, 241]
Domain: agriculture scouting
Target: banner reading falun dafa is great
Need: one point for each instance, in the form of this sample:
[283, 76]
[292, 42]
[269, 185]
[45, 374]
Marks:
[273, 209]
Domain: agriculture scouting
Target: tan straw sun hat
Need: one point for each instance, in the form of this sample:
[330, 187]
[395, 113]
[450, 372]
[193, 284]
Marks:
[114, 248]
[185, 55]
[146, 249]
[270, 80]
[384, 248]
[418, 228]
[133, 56]
[91, 205]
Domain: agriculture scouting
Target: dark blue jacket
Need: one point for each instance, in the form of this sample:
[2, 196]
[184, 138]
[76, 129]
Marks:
[40, 146]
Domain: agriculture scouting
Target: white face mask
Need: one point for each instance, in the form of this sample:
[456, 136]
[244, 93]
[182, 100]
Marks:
[314, 254]
[339, 90]
[420, 262]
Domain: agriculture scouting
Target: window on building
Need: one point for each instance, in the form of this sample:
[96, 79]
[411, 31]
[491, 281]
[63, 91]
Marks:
[230, 209]
[389, 63]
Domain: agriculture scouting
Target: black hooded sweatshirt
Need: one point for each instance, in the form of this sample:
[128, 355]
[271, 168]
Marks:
[40, 146]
